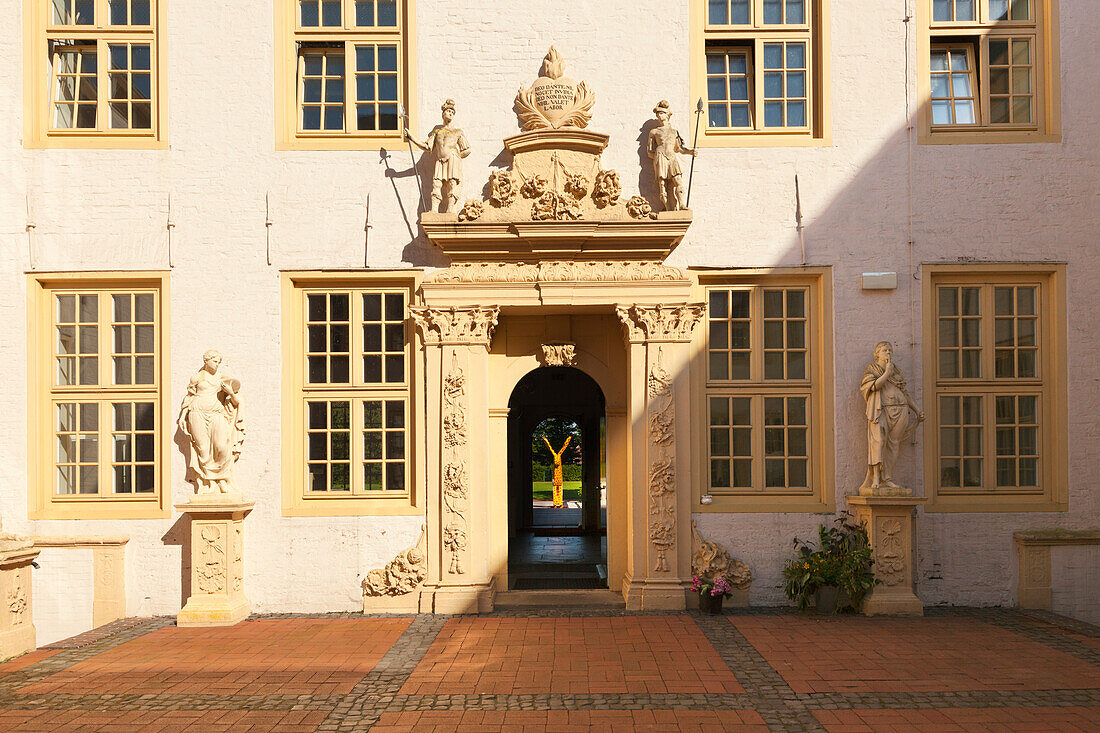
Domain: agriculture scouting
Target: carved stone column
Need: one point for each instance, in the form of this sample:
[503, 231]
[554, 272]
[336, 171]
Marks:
[659, 566]
[17, 632]
[456, 344]
[890, 526]
[217, 562]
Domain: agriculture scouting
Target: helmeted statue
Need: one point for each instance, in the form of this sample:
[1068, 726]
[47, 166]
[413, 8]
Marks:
[664, 145]
[448, 146]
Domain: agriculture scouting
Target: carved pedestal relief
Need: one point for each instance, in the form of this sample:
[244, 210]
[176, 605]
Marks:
[891, 551]
[217, 564]
[401, 575]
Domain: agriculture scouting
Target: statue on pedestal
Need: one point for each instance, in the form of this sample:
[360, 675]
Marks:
[448, 146]
[210, 417]
[888, 419]
[664, 144]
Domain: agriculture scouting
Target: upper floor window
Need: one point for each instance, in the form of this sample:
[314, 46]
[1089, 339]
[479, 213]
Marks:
[764, 381]
[96, 69]
[98, 427]
[992, 71]
[758, 66]
[345, 74]
[997, 358]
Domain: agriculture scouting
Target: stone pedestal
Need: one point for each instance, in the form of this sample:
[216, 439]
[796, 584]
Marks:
[217, 561]
[890, 524]
[17, 633]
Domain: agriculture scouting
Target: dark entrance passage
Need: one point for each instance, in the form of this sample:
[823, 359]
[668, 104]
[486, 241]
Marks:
[556, 542]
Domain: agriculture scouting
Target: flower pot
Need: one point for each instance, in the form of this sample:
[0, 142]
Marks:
[825, 598]
[710, 604]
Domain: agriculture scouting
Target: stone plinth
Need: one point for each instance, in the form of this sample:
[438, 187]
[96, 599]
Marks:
[217, 561]
[1033, 550]
[17, 633]
[890, 525]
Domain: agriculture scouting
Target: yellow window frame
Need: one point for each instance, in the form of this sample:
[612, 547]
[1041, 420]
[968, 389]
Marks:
[288, 84]
[1049, 385]
[706, 37]
[40, 72]
[44, 394]
[818, 387]
[1042, 32]
[298, 500]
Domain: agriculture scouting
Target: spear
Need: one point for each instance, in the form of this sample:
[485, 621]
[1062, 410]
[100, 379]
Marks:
[405, 116]
[694, 144]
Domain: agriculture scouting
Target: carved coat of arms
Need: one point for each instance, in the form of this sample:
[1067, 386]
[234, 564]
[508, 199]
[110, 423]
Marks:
[554, 100]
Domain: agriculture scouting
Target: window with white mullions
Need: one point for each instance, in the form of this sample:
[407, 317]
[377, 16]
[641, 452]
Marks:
[322, 89]
[376, 87]
[784, 12]
[948, 11]
[72, 12]
[130, 12]
[953, 99]
[729, 12]
[1010, 74]
[133, 436]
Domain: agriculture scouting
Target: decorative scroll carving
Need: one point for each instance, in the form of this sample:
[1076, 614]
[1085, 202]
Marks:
[890, 559]
[554, 100]
[534, 187]
[402, 574]
[709, 560]
[456, 486]
[662, 469]
[559, 354]
[211, 569]
[456, 325]
[659, 322]
[576, 185]
[591, 271]
[502, 188]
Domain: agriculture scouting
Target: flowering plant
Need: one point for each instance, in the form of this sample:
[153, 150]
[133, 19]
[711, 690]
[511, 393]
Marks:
[843, 560]
[717, 587]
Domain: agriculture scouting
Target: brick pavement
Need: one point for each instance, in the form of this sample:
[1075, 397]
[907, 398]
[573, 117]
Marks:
[568, 669]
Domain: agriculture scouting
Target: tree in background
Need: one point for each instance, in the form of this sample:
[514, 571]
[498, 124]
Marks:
[555, 430]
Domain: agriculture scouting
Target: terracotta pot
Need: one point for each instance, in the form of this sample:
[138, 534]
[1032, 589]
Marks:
[825, 598]
[710, 604]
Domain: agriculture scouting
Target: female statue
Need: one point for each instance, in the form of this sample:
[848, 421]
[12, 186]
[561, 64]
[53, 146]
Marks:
[210, 417]
[888, 417]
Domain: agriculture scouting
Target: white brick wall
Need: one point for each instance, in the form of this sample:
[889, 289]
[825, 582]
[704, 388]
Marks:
[107, 209]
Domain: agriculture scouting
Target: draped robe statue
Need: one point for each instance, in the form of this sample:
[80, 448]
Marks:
[888, 418]
[210, 417]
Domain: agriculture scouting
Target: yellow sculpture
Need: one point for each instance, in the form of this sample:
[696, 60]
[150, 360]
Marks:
[558, 482]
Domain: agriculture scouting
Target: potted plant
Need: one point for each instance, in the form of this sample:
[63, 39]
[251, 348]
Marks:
[711, 592]
[837, 574]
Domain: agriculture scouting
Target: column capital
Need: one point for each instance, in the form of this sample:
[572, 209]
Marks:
[472, 326]
[672, 323]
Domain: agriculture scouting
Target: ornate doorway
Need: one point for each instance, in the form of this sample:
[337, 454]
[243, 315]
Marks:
[556, 542]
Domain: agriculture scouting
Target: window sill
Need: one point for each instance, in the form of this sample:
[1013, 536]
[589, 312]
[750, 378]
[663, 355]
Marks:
[350, 506]
[986, 137]
[96, 142]
[150, 508]
[763, 140]
[993, 504]
[754, 503]
[321, 142]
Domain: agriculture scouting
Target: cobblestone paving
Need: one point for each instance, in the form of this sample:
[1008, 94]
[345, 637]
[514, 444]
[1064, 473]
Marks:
[757, 669]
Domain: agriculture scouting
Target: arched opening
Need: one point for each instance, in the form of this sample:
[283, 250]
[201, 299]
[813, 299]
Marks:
[556, 430]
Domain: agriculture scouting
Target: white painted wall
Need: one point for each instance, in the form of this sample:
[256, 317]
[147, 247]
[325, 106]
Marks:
[103, 209]
[63, 587]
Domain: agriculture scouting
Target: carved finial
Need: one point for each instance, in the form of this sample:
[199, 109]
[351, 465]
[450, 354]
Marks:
[553, 65]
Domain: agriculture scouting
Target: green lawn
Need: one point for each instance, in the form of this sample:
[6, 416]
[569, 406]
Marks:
[545, 490]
